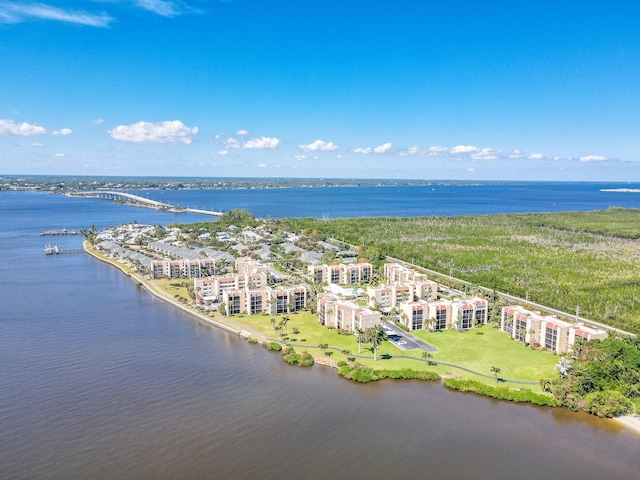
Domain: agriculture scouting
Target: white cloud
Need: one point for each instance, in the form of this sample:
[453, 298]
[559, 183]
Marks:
[232, 143]
[464, 149]
[223, 153]
[98, 121]
[486, 154]
[165, 8]
[516, 154]
[436, 151]
[9, 127]
[262, 165]
[17, 12]
[383, 148]
[361, 150]
[242, 132]
[536, 156]
[58, 154]
[63, 131]
[319, 145]
[413, 151]
[471, 169]
[261, 143]
[300, 157]
[33, 144]
[593, 158]
[171, 131]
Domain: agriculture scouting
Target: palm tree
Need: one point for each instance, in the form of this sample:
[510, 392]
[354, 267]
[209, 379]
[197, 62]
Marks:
[545, 385]
[361, 335]
[375, 336]
[563, 366]
[323, 347]
[495, 370]
[426, 356]
[275, 330]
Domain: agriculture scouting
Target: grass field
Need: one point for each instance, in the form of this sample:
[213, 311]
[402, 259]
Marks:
[477, 350]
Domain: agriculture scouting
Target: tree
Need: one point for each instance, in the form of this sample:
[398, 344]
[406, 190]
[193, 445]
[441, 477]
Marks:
[375, 336]
[323, 347]
[563, 366]
[495, 370]
[275, 328]
[426, 356]
[545, 384]
[361, 335]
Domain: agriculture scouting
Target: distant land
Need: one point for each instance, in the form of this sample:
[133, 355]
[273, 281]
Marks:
[71, 183]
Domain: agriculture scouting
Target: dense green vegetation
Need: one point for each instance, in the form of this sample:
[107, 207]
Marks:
[362, 374]
[500, 393]
[602, 377]
[305, 359]
[591, 259]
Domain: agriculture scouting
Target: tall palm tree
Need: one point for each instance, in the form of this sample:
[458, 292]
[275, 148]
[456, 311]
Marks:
[495, 370]
[361, 335]
[375, 337]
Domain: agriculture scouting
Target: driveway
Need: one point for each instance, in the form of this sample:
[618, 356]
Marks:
[405, 340]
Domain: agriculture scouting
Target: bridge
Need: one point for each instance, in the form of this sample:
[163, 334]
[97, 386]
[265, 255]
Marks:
[130, 198]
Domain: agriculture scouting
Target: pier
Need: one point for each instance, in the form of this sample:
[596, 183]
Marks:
[135, 199]
[64, 231]
[58, 250]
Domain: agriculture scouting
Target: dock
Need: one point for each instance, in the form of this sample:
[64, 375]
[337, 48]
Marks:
[63, 231]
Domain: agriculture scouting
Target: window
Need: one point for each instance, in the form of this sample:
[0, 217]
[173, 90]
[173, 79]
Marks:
[417, 322]
[441, 319]
[521, 330]
[466, 319]
[234, 304]
[256, 304]
[550, 338]
[298, 303]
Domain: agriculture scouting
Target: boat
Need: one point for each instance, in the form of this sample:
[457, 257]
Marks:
[51, 249]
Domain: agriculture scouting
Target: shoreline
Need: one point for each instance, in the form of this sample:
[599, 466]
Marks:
[630, 422]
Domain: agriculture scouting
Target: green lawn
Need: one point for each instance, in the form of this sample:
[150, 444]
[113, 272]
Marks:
[477, 350]
[481, 348]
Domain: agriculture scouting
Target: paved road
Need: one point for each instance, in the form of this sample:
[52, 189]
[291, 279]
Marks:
[406, 341]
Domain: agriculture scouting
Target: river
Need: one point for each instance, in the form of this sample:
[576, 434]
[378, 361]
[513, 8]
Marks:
[99, 379]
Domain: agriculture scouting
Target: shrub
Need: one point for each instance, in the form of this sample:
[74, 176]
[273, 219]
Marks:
[275, 346]
[500, 393]
[362, 374]
[306, 360]
[608, 404]
[252, 340]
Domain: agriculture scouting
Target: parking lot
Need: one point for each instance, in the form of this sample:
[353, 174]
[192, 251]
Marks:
[404, 340]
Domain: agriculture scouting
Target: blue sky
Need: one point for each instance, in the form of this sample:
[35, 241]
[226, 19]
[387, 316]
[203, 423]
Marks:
[450, 89]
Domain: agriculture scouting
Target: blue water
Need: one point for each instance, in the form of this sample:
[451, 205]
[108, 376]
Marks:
[406, 201]
[98, 379]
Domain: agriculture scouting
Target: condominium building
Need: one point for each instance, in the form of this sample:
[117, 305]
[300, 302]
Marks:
[390, 296]
[272, 301]
[341, 274]
[184, 268]
[459, 314]
[545, 331]
[250, 266]
[397, 273]
[214, 286]
[336, 312]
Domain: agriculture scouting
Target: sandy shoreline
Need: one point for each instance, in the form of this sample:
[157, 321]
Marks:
[632, 422]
